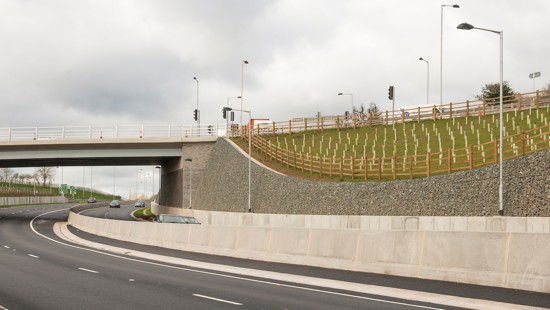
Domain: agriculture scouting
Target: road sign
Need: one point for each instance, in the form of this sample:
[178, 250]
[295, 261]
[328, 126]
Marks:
[534, 75]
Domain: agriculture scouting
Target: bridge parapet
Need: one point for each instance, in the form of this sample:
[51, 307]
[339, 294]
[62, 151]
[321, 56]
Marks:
[111, 132]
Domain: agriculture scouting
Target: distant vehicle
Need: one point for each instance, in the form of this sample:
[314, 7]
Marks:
[176, 219]
[114, 204]
[92, 200]
[140, 204]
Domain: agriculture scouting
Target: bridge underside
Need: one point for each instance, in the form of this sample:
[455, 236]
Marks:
[182, 162]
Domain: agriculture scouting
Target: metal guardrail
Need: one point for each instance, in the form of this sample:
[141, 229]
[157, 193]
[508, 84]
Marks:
[110, 132]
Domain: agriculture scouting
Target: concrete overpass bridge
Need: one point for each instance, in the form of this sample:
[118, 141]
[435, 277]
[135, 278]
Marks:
[168, 146]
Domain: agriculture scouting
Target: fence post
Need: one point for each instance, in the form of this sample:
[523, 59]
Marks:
[289, 127]
[379, 168]
[519, 101]
[330, 166]
[450, 110]
[394, 167]
[402, 117]
[467, 108]
[471, 153]
[366, 168]
[410, 167]
[305, 124]
[338, 122]
[352, 165]
[321, 160]
[341, 168]
[523, 143]
[370, 119]
[537, 100]
[434, 113]
[428, 164]
[449, 168]
[354, 118]
[322, 123]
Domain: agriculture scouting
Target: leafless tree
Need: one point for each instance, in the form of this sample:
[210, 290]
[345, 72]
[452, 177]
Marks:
[45, 175]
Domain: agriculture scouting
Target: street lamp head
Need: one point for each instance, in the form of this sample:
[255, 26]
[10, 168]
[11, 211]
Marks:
[340, 94]
[456, 6]
[465, 26]
[420, 58]
[239, 97]
[245, 61]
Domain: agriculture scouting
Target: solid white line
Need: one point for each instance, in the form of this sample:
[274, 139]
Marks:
[31, 255]
[217, 299]
[7, 247]
[88, 270]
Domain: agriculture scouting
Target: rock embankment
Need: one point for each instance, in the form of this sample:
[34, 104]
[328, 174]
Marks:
[224, 187]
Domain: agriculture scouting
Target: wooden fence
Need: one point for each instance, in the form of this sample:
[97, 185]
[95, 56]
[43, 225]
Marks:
[451, 110]
[411, 166]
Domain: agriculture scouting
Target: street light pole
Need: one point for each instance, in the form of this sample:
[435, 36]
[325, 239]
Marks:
[455, 6]
[466, 26]
[249, 155]
[242, 86]
[427, 81]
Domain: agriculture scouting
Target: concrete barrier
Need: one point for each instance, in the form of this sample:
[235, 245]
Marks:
[31, 200]
[500, 251]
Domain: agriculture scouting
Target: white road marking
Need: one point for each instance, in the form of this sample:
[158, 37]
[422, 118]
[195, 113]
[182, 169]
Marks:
[88, 270]
[31, 255]
[3, 308]
[217, 299]
[7, 247]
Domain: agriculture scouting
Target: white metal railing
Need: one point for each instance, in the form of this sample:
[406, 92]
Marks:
[111, 132]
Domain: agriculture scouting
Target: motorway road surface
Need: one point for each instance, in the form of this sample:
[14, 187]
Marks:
[38, 270]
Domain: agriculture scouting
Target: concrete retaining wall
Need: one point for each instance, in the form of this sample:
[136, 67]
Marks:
[32, 200]
[504, 252]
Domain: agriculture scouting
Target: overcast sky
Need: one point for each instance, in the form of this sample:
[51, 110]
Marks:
[66, 62]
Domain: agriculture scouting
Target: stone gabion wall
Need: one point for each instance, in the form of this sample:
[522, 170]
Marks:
[224, 187]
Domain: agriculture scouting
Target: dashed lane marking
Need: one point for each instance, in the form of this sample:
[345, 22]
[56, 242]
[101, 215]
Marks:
[31, 255]
[217, 299]
[88, 270]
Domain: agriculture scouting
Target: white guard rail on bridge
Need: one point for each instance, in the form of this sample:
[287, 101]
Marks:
[110, 132]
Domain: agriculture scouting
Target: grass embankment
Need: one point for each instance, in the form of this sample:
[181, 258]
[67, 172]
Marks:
[402, 140]
[23, 190]
[145, 214]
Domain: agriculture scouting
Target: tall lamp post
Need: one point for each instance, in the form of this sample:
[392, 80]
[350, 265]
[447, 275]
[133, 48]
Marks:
[190, 160]
[427, 81]
[466, 26]
[227, 109]
[242, 86]
[455, 6]
[349, 94]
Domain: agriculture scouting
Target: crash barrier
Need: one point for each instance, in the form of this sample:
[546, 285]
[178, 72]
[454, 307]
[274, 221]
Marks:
[31, 200]
[493, 251]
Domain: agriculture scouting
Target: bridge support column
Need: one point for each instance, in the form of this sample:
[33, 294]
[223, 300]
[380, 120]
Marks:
[181, 177]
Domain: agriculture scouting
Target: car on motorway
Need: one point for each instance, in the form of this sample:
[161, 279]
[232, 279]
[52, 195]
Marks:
[176, 219]
[114, 204]
[92, 200]
[140, 204]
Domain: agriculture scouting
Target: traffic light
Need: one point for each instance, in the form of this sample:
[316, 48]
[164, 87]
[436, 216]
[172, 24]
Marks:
[390, 93]
[195, 114]
[224, 111]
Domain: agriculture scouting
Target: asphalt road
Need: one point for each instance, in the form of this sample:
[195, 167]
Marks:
[40, 271]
